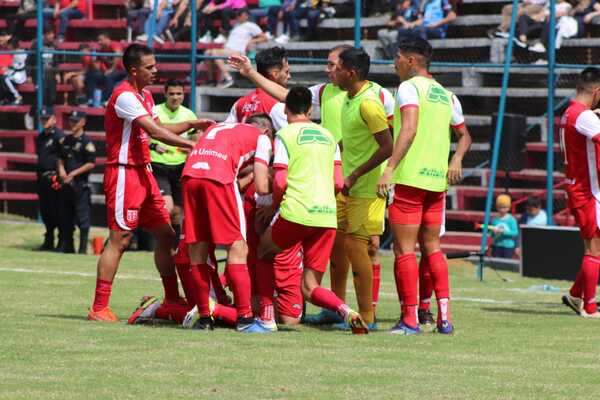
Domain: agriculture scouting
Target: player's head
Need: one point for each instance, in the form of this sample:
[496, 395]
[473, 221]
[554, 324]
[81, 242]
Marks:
[413, 54]
[588, 83]
[263, 122]
[298, 103]
[174, 94]
[273, 64]
[353, 66]
[243, 14]
[140, 64]
[103, 39]
[332, 60]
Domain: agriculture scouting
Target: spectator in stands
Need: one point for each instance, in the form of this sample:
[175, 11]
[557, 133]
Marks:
[137, 14]
[27, 10]
[76, 159]
[270, 9]
[243, 36]
[67, 10]
[107, 71]
[434, 17]
[287, 14]
[405, 14]
[168, 10]
[46, 148]
[314, 11]
[531, 8]
[504, 229]
[224, 11]
[585, 12]
[16, 74]
[77, 78]
[377, 7]
[50, 74]
[534, 215]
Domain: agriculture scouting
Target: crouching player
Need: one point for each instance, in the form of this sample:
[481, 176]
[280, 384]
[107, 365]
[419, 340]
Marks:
[305, 154]
[214, 212]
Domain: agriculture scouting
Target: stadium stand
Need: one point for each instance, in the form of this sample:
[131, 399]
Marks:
[477, 87]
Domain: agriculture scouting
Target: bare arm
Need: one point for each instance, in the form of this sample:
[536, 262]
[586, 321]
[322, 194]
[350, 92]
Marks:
[462, 146]
[384, 140]
[261, 178]
[243, 65]
[181, 127]
[163, 134]
[84, 169]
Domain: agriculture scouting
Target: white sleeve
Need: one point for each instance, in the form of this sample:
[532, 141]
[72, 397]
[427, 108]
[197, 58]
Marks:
[129, 107]
[407, 95]
[278, 116]
[232, 117]
[588, 124]
[255, 30]
[281, 155]
[457, 113]
[337, 158]
[263, 149]
[315, 91]
[388, 103]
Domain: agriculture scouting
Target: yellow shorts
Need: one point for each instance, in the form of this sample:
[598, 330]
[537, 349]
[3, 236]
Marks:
[363, 217]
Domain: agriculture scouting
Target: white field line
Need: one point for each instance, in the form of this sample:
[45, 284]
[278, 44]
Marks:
[148, 278]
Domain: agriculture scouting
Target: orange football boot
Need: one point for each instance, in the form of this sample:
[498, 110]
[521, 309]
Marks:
[104, 315]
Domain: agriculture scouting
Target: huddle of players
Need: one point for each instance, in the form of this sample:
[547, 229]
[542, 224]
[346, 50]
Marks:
[281, 235]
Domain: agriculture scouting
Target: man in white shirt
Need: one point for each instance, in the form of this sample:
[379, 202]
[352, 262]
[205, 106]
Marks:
[245, 34]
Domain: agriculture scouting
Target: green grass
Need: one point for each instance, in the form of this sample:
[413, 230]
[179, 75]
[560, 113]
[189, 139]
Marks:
[509, 343]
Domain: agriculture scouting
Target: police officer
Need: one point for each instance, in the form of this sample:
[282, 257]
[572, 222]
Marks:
[46, 147]
[168, 161]
[77, 157]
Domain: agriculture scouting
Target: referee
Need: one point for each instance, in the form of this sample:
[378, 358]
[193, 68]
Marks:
[168, 161]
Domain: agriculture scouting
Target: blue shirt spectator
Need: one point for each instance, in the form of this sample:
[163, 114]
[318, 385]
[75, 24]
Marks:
[434, 17]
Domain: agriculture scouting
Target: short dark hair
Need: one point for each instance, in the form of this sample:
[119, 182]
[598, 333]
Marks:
[298, 100]
[243, 10]
[341, 47]
[262, 120]
[48, 28]
[103, 33]
[173, 83]
[533, 201]
[589, 78]
[417, 46]
[133, 55]
[270, 58]
[357, 60]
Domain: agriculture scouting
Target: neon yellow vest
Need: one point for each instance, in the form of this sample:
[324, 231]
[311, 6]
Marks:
[425, 166]
[359, 143]
[173, 156]
[310, 195]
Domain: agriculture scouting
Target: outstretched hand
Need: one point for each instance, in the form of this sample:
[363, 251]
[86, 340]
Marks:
[202, 124]
[241, 64]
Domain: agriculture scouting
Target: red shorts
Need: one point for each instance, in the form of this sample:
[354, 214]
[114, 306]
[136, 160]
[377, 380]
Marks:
[133, 198]
[316, 242]
[213, 212]
[587, 218]
[414, 206]
[288, 280]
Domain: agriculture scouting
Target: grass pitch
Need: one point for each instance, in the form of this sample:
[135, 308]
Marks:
[510, 342]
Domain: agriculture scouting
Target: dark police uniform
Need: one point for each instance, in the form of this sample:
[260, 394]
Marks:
[75, 198]
[46, 147]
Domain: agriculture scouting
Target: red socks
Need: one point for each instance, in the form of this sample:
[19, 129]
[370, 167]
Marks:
[325, 298]
[589, 272]
[102, 295]
[200, 274]
[172, 312]
[265, 288]
[425, 284]
[577, 288]
[439, 277]
[376, 284]
[225, 314]
[406, 272]
[239, 280]
[185, 275]
[171, 288]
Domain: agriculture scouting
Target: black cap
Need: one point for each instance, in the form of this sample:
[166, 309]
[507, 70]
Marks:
[77, 115]
[46, 112]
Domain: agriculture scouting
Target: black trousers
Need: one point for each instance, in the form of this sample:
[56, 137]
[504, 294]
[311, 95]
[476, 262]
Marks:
[75, 208]
[48, 203]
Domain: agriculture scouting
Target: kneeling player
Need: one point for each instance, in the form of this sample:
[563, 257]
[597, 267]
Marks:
[304, 185]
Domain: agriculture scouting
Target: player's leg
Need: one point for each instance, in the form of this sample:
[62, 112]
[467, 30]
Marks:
[374, 244]
[425, 292]
[287, 280]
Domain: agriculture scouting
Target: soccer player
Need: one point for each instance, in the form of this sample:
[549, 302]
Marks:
[425, 112]
[273, 64]
[329, 97]
[132, 196]
[168, 161]
[214, 210]
[304, 190]
[580, 142]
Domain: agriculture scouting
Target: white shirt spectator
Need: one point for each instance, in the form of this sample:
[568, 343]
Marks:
[240, 35]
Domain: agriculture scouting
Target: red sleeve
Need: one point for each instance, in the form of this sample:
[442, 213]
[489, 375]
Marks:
[279, 185]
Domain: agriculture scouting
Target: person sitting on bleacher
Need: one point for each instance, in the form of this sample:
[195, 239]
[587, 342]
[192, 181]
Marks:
[286, 13]
[67, 10]
[15, 23]
[108, 70]
[243, 36]
[269, 9]
[526, 7]
[16, 74]
[314, 11]
[137, 14]
[223, 10]
[434, 17]
[406, 13]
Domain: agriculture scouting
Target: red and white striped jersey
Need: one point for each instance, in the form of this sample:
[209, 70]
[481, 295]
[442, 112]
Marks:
[224, 150]
[126, 142]
[580, 143]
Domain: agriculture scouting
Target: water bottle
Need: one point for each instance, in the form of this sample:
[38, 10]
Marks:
[97, 100]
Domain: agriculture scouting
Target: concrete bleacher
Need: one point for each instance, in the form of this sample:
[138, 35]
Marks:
[478, 87]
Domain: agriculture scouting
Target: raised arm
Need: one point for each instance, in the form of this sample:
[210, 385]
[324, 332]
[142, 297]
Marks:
[243, 65]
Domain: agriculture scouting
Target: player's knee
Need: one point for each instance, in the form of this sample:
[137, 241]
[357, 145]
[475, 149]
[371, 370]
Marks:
[238, 250]
[121, 240]
[373, 249]
[307, 288]
[288, 321]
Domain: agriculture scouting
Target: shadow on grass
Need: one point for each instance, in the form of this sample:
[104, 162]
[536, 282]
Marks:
[76, 317]
[549, 311]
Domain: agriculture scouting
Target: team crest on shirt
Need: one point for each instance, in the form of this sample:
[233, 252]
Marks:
[132, 215]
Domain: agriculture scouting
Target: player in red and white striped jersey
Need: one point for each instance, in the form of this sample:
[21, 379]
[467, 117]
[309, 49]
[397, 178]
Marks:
[132, 195]
[580, 142]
